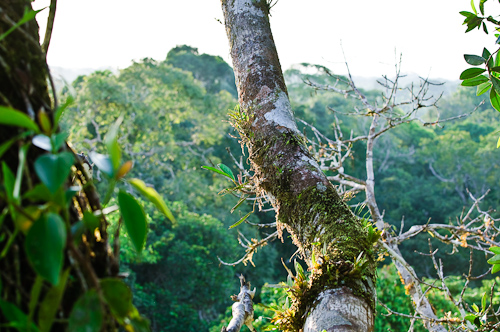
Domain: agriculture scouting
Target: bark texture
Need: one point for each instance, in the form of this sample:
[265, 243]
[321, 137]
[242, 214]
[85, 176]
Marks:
[306, 202]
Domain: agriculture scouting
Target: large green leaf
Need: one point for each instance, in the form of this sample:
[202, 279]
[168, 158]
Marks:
[494, 260]
[475, 81]
[474, 60]
[496, 84]
[134, 219]
[45, 244]
[153, 196]
[471, 72]
[12, 117]
[118, 296]
[227, 170]
[86, 315]
[53, 169]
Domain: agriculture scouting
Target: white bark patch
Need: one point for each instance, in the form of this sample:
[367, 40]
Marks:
[339, 310]
[246, 6]
[282, 115]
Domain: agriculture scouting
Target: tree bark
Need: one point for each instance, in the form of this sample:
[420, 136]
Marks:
[340, 294]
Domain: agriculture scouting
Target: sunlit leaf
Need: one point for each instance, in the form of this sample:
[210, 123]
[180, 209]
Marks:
[118, 296]
[53, 169]
[494, 260]
[473, 6]
[44, 121]
[475, 81]
[483, 88]
[483, 301]
[42, 141]
[495, 269]
[124, 169]
[153, 196]
[103, 162]
[86, 315]
[45, 244]
[12, 117]
[134, 219]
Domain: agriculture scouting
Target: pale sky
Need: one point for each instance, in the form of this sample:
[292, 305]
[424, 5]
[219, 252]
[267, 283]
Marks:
[428, 33]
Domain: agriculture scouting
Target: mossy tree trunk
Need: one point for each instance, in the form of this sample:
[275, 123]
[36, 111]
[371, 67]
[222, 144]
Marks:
[340, 295]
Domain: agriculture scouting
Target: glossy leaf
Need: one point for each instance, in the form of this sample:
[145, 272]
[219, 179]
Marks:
[103, 162]
[153, 196]
[43, 142]
[16, 317]
[473, 6]
[53, 170]
[496, 84]
[471, 72]
[474, 60]
[483, 88]
[45, 244]
[475, 81]
[86, 315]
[495, 100]
[134, 219]
[118, 296]
[495, 269]
[12, 117]
[50, 303]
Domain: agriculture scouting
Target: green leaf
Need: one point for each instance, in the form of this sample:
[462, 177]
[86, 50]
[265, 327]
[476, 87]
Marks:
[29, 14]
[241, 220]
[474, 306]
[473, 319]
[498, 143]
[473, 6]
[9, 181]
[242, 199]
[134, 219]
[7, 144]
[51, 302]
[12, 117]
[58, 140]
[471, 72]
[213, 169]
[60, 111]
[495, 250]
[495, 100]
[481, 6]
[495, 269]
[494, 260]
[227, 170]
[16, 317]
[152, 195]
[39, 193]
[103, 162]
[483, 88]
[118, 296]
[474, 60]
[466, 14]
[475, 81]
[45, 244]
[86, 315]
[54, 169]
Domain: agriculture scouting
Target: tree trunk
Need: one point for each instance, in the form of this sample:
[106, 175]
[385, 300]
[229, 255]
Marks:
[340, 293]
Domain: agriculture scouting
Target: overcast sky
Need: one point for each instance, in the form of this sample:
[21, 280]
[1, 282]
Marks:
[428, 33]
